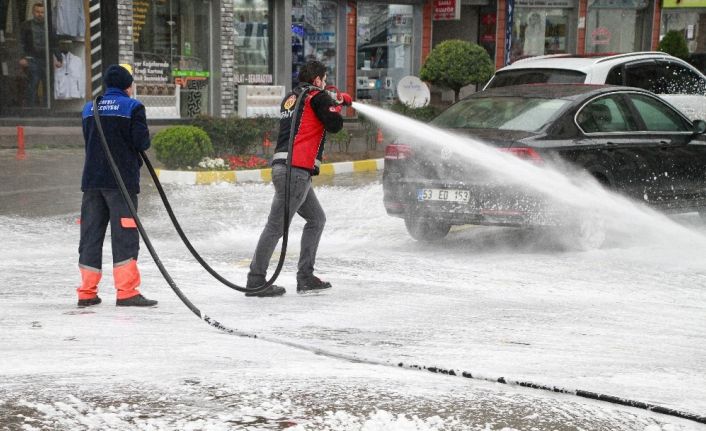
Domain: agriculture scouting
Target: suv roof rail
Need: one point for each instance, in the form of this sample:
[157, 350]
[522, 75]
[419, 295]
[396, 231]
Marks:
[598, 58]
[633, 54]
[539, 57]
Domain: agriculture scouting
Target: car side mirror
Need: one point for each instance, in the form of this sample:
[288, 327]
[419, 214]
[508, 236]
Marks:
[699, 127]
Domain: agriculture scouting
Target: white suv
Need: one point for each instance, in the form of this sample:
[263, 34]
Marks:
[673, 79]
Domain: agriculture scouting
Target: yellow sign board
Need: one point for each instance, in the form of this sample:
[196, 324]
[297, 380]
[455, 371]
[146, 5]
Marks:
[683, 3]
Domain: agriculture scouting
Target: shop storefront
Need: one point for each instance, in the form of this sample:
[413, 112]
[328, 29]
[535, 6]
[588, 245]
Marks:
[192, 57]
[614, 26]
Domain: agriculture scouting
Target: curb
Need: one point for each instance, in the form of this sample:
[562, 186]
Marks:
[261, 175]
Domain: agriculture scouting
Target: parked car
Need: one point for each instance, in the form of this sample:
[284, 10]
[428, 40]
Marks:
[677, 81]
[628, 139]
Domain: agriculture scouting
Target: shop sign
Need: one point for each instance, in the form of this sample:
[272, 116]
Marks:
[445, 10]
[600, 36]
[191, 79]
[488, 19]
[322, 37]
[509, 13]
[546, 3]
[683, 3]
[190, 73]
[253, 78]
[151, 71]
[617, 4]
[140, 8]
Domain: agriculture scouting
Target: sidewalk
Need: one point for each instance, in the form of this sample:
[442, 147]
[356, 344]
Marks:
[70, 135]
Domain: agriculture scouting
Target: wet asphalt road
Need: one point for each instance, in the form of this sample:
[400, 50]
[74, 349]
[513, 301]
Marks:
[47, 183]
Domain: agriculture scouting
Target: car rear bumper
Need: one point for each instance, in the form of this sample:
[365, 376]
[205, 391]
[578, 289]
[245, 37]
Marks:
[499, 205]
[488, 205]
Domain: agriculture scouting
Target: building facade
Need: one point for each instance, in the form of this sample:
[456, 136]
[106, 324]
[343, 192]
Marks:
[191, 57]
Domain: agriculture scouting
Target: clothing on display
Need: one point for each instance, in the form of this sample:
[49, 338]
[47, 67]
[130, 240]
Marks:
[534, 34]
[69, 79]
[69, 19]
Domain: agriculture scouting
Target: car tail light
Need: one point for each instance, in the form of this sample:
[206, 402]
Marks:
[398, 152]
[524, 153]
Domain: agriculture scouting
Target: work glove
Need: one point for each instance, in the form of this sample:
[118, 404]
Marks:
[338, 96]
[344, 99]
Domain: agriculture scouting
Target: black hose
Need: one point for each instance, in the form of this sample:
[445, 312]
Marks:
[437, 370]
[197, 256]
[285, 230]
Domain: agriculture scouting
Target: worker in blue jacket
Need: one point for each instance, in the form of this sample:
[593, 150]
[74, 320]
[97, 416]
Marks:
[125, 126]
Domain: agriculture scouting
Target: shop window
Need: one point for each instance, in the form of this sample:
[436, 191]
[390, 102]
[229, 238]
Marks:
[253, 45]
[384, 50]
[314, 35]
[252, 42]
[172, 56]
[488, 29]
[540, 30]
[42, 51]
[615, 26]
[691, 22]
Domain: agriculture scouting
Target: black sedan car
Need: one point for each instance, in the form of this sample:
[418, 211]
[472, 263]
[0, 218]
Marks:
[628, 139]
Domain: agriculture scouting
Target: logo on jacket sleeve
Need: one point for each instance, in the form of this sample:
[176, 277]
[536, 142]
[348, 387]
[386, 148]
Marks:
[290, 102]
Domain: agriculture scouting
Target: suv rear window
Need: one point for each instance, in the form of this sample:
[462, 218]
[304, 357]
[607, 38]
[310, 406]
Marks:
[536, 76]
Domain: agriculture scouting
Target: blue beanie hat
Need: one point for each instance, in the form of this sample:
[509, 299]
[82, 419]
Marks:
[117, 77]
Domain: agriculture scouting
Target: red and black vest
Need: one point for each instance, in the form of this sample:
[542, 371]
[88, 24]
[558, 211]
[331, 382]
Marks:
[315, 115]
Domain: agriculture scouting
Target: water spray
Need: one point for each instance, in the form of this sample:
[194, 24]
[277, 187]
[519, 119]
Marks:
[588, 196]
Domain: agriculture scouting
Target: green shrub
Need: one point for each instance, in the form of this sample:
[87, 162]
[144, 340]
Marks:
[674, 43]
[454, 63]
[181, 146]
[341, 139]
[235, 135]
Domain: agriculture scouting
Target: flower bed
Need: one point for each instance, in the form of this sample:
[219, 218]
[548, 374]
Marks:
[246, 162]
[233, 163]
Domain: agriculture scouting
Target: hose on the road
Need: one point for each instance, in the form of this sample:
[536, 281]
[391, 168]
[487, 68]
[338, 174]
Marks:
[197, 256]
[437, 370]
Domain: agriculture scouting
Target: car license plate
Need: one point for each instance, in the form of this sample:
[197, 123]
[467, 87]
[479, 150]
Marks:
[445, 195]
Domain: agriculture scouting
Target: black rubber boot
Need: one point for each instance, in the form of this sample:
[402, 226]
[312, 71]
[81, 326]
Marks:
[88, 302]
[136, 301]
[312, 284]
[272, 290]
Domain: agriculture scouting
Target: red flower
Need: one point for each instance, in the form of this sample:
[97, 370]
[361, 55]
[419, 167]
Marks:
[245, 162]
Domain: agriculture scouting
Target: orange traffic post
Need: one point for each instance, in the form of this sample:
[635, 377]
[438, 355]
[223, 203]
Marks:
[380, 138]
[266, 143]
[21, 155]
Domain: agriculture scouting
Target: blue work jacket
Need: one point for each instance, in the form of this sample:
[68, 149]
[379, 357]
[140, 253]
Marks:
[125, 127]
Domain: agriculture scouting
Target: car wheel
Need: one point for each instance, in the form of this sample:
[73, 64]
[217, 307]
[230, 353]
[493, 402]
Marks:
[425, 229]
[588, 232]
